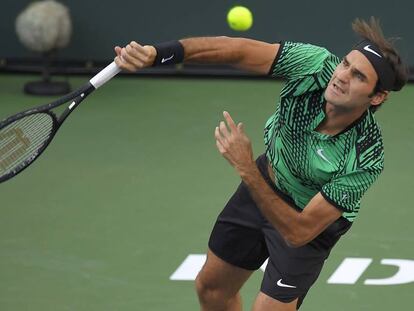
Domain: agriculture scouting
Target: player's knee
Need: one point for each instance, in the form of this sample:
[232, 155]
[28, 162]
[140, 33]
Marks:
[204, 288]
[208, 291]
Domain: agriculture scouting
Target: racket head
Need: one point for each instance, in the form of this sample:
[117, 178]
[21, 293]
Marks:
[23, 138]
[25, 135]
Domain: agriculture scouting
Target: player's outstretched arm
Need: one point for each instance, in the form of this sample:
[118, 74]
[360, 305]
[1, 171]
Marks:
[251, 55]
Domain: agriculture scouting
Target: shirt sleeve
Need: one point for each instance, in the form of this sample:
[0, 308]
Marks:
[296, 60]
[346, 191]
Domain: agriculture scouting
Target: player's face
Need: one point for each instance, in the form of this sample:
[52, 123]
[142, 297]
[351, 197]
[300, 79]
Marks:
[352, 83]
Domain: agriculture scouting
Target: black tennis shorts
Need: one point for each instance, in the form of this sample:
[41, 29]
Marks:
[244, 238]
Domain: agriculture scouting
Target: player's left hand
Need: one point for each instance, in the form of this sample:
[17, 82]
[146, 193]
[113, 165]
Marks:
[234, 145]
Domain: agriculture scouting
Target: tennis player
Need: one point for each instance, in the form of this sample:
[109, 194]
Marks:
[323, 152]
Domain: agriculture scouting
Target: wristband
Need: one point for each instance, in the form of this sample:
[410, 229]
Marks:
[168, 53]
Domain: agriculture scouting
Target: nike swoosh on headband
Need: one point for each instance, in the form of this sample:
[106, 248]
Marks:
[367, 48]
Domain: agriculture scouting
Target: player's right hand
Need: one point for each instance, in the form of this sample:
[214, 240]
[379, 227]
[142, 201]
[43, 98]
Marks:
[135, 56]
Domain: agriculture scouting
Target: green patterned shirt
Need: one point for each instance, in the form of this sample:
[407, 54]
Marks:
[342, 167]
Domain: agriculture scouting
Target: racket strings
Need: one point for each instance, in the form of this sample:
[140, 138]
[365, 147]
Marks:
[21, 141]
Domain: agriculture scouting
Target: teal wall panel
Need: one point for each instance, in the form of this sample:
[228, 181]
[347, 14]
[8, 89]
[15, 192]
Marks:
[99, 25]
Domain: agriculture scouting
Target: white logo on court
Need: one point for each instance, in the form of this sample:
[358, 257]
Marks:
[348, 272]
[367, 48]
[163, 60]
[319, 152]
[279, 283]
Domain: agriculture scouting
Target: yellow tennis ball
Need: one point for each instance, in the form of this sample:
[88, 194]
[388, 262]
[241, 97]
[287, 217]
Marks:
[240, 18]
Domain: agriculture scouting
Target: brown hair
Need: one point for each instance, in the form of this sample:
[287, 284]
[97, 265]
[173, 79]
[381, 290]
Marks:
[372, 31]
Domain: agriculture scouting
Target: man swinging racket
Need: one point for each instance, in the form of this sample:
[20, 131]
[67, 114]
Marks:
[323, 151]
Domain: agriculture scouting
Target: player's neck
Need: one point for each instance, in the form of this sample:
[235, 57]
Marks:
[336, 120]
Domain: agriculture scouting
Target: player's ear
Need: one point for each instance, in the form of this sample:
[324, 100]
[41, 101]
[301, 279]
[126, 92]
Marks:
[379, 97]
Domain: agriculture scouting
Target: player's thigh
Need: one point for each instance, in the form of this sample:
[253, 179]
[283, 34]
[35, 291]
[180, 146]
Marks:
[217, 274]
[266, 303]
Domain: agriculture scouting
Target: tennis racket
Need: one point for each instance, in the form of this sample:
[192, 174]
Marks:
[24, 136]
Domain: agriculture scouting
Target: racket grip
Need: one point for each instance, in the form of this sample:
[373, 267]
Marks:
[105, 75]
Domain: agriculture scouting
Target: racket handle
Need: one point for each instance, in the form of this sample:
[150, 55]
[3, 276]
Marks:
[105, 75]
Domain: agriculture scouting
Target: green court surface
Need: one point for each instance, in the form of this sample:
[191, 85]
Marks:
[132, 184]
